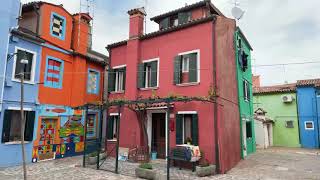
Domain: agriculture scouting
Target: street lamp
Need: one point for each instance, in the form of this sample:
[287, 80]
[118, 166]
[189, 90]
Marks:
[24, 61]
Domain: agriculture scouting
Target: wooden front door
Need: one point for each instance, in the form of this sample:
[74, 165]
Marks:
[159, 134]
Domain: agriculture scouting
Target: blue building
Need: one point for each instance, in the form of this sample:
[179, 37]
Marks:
[18, 44]
[308, 95]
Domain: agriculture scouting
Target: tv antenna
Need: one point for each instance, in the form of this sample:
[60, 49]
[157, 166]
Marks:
[236, 11]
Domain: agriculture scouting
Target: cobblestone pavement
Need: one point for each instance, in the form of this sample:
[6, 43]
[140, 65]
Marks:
[271, 164]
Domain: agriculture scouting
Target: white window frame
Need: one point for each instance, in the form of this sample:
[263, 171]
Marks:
[146, 73]
[305, 125]
[185, 113]
[116, 82]
[114, 124]
[198, 62]
[34, 62]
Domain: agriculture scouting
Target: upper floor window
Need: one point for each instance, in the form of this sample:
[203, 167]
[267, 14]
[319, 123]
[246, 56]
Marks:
[117, 79]
[54, 73]
[58, 26]
[175, 20]
[186, 67]
[93, 81]
[24, 62]
[246, 90]
[148, 74]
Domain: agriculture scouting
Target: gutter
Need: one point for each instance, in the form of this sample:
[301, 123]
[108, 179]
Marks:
[215, 106]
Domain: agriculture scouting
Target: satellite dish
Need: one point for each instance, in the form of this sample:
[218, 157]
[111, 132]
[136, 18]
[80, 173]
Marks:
[237, 13]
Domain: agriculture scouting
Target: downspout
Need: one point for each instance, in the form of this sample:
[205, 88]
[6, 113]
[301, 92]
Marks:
[215, 106]
[298, 117]
[36, 9]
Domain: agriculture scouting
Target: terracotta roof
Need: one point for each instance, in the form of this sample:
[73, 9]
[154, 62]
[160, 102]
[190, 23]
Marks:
[309, 82]
[188, 7]
[29, 6]
[275, 89]
[167, 30]
[137, 10]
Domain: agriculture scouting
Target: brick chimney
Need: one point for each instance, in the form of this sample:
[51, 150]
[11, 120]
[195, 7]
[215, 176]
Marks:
[256, 80]
[80, 39]
[136, 23]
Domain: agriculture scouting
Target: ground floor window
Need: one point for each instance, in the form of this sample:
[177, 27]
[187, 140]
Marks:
[112, 127]
[12, 126]
[92, 126]
[187, 129]
[248, 129]
[308, 125]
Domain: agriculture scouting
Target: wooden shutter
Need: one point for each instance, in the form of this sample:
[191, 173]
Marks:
[164, 23]
[177, 70]
[29, 126]
[141, 75]
[124, 78]
[111, 80]
[193, 68]
[184, 17]
[195, 130]
[110, 127]
[6, 126]
[154, 74]
[179, 119]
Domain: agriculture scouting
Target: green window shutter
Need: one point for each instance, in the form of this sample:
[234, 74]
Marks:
[124, 78]
[154, 74]
[110, 127]
[111, 80]
[164, 23]
[195, 130]
[184, 17]
[177, 70]
[29, 126]
[6, 126]
[141, 75]
[193, 70]
[179, 119]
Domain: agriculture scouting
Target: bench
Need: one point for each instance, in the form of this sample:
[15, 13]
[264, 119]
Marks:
[180, 154]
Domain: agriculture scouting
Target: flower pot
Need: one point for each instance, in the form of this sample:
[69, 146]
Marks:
[102, 156]
[92, 160]
[145, 173]
[153, 155]
[206, 170]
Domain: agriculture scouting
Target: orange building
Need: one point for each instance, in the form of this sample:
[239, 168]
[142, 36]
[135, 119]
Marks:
[71, 74]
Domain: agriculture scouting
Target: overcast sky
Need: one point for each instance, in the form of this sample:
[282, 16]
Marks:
[280, 31]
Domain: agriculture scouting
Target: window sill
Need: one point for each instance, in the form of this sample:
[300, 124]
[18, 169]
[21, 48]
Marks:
[188, 84]
[25, 82]
[112, 140]
[16, 142]
[117, 92]
[148, 88]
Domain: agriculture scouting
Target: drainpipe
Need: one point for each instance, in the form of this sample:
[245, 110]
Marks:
[215, 106]
[36, 9]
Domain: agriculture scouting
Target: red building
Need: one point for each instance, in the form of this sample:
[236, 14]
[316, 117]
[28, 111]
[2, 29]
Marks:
[191, 54]
[71, 74]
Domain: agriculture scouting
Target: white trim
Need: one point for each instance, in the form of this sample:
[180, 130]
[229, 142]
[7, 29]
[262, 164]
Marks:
[16, 142]
[187, 112]
[305, 125]
[119, 66]
[198, 60]
[158, 66]
[114, 114]
[18, 108]
[33, 68]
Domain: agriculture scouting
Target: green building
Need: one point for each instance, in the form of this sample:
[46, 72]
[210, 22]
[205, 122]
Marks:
[280, 103]
[244, 77]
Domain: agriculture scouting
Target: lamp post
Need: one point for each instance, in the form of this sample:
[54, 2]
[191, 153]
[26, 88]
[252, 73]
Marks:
[24, 62]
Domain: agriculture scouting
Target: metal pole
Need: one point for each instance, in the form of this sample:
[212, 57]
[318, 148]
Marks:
[118, 138]
[100, 134]
[22, 126]
[168, 140]
[85, 136]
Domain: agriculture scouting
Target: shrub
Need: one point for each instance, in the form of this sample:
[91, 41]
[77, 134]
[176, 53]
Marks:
[93, 154]
[145, 166]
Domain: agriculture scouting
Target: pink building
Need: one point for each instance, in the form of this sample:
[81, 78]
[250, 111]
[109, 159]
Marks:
[191, 54]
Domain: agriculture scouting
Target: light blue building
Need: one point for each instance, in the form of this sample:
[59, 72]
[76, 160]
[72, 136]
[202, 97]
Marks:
[308, 95]
[20, 44]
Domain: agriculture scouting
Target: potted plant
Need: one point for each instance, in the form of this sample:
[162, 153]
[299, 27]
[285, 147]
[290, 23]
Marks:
[188, 141]
[102, 154]
[145, 171]
[93, 157]
[205, 169]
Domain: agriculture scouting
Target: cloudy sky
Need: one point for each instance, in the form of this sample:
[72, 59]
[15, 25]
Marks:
[280, 31]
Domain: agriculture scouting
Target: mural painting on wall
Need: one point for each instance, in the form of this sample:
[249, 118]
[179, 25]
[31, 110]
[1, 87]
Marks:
[55, 141]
